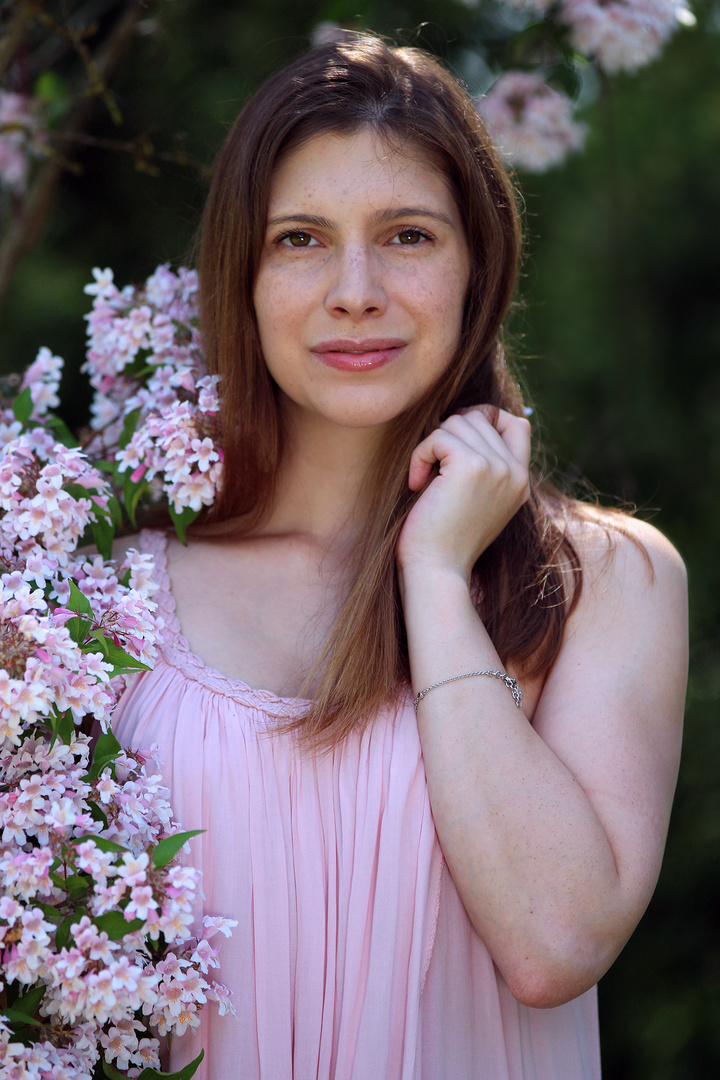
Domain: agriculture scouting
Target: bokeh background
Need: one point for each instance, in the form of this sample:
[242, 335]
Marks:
[616, 334]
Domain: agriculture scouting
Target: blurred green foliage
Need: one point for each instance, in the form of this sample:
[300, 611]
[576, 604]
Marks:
[617, 336]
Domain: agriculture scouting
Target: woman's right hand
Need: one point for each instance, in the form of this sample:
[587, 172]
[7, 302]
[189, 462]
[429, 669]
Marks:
[484, 455]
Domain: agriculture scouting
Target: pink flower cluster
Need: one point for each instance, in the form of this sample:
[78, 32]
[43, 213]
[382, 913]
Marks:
[43, 667]
[99, 969]
[43, 380]
[96, 911]
[49, 495]
[529, 121]
[622, 35]
[145, 364]
[18, 130]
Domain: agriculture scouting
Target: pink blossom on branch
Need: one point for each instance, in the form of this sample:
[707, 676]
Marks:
[623, 35]
[530, 121]
[145, 362]
[18, 131]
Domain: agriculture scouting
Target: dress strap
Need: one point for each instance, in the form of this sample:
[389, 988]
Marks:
[154, 542]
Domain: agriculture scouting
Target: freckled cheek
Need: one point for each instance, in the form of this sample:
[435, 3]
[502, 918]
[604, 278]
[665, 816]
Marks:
[279, 304]
[438, 303]
[290, 285]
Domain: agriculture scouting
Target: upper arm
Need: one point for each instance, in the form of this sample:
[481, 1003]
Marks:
[611, 708]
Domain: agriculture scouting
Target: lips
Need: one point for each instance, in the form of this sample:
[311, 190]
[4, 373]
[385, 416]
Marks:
[345, 354]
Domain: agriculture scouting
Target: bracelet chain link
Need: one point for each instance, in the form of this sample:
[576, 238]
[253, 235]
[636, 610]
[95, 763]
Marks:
[511, 684]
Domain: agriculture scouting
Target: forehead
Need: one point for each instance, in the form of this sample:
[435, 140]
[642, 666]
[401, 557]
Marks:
[360, 168]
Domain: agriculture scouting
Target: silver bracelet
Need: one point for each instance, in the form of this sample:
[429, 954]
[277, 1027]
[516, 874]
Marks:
[503, 676]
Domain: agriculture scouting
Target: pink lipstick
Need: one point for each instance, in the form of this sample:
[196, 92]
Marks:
[344, 354]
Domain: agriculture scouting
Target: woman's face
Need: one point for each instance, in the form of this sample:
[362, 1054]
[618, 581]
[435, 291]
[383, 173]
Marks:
[361, 287]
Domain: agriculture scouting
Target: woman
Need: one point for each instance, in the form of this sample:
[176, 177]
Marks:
[430, 891]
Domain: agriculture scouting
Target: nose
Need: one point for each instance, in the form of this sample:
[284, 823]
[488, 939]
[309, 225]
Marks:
[356, 288]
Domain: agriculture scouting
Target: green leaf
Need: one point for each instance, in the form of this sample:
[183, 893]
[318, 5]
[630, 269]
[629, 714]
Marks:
[140, 369]
[115, 511]
[129, 425]
[19, 1018]
[60, 430]
[168, 848]
[62, 934]
[112, 1072]
[51, 914]
[55, 96]
[116, 925]
[121, 660]
[78, 602]
[97, 636]
[49, 87]
[132, 493]
[63, 726]
[23, 406]
[79, 491]
[106, 750]
[155, 1074]
[78, 629]
[103, 533]
[100, 842]
[97, 813]
[182, 520]
[75, 885]
[107, 746]
[28, 1003]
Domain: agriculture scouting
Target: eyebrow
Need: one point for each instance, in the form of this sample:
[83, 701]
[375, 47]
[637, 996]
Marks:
[382, 216]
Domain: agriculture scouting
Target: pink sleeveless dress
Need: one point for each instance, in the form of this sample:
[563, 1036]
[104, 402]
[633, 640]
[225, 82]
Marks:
[353, 958]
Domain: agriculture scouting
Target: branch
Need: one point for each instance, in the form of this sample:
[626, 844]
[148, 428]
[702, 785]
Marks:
[26, 230]
[15, 30]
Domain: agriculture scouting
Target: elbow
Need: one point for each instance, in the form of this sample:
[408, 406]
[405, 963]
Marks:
[546, 990]
[556, 973]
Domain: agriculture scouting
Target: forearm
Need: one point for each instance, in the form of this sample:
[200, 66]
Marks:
[529, 857]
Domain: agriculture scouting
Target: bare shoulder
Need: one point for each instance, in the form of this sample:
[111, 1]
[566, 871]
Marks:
[627, 637]
[628, 560]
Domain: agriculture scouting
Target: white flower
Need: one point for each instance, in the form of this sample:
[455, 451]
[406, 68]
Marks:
[623, 35]
[103, 286]
[529, 121]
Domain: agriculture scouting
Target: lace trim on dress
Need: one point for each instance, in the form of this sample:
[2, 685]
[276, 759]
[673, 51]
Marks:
[176, 651]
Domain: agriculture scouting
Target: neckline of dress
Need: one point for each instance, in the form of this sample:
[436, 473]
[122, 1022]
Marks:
[176, 648]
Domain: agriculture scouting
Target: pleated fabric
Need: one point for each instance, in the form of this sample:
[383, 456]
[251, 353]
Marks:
[353, 958]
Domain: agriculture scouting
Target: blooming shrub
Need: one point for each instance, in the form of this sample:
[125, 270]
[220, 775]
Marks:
[154, 410]
[530, 121]
[97, 958]
[623, 35]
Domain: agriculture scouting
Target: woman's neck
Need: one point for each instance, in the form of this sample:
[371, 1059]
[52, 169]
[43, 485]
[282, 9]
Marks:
[321, 479]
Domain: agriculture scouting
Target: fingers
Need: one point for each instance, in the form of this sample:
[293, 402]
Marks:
[500, 439]
[438, 447]
[514, 431]
[483, 457]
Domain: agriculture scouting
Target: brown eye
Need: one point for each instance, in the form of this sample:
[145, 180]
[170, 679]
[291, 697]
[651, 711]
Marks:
[297, 239]
[411, 236]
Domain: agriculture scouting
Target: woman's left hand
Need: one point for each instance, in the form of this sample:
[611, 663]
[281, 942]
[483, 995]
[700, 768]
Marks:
[484, 456]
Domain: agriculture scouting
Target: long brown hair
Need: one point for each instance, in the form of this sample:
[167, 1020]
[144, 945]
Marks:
[524, 588]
